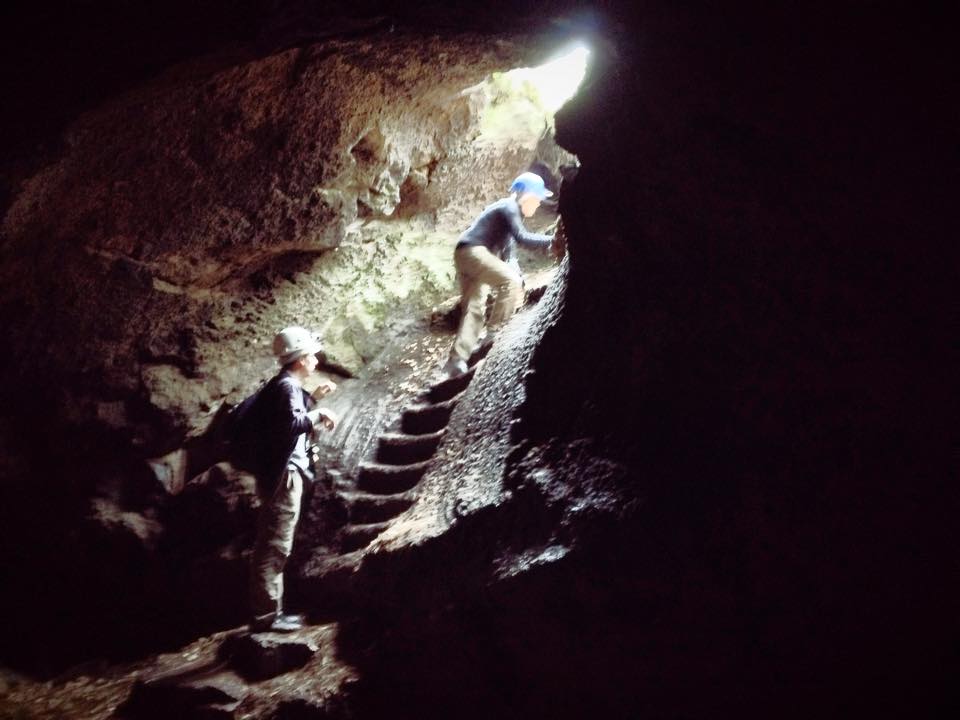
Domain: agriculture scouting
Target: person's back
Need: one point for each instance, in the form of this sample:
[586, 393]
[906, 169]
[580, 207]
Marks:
[499, 228]
[271, 430]
[485, 256]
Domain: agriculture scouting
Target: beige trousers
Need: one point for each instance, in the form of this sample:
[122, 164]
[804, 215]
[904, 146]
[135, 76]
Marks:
[275, 529]
[479, 270]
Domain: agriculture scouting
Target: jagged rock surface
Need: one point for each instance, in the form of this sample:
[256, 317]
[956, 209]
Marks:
[737, 505]
[155, 237]
[178, 226]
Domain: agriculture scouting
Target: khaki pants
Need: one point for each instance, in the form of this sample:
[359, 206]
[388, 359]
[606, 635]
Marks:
[275, 529]
[478, 270]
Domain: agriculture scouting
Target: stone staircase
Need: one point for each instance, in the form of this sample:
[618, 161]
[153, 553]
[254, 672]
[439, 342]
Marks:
[386, 485]
[383, 487]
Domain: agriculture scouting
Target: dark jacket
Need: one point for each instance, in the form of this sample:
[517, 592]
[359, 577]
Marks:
[268, 435]
[499, 228]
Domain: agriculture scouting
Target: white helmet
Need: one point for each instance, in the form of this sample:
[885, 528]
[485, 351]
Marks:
[293, 343]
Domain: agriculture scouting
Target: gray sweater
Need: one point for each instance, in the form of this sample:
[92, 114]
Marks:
[499, 228]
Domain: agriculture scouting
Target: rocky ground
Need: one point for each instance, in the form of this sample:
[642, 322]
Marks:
[97, 691]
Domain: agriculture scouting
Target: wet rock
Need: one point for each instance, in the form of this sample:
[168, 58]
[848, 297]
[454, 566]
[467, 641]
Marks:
[259, 656]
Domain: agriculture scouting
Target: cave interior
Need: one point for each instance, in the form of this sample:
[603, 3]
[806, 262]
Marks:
[703, 472]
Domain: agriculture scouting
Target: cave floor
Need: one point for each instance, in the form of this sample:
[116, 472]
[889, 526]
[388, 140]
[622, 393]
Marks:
[94, 691]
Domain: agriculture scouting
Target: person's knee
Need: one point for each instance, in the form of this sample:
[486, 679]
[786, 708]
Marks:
[510, 292]
[510, 286]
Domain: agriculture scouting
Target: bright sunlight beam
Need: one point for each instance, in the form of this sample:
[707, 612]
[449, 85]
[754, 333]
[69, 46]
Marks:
[557, 80]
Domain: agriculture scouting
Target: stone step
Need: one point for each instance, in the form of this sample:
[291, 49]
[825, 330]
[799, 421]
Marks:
[327, 580]
[427, 418]
[381, 479]
[189, 692]
[451, 387]
[259, 656]
[403, 449]
[354, 537]
[483, 349]
[366, 507]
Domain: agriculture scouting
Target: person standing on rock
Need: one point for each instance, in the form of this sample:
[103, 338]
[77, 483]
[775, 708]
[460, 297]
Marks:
[485, 257]
[283, 415]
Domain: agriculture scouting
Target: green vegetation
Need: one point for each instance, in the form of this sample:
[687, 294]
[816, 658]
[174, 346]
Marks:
[514, 110]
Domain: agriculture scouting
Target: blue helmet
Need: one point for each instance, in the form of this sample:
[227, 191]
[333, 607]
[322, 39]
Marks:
[529, 182]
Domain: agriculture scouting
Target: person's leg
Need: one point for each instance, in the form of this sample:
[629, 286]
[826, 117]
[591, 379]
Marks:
[275, 529]
[473, 302]
[506, 282]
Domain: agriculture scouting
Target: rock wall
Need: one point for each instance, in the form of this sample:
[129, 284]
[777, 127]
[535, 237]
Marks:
[707, 479]
[711, 489]
[147, 265]
[143, 261]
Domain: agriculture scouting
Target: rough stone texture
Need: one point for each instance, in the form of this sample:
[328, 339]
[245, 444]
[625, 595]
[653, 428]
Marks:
[713, 470]
[214, 693]
[150, 258]
[141, 258]
[99, 691]
[265, 655]
[711, 488]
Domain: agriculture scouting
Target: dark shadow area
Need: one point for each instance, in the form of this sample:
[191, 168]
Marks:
[729, 491]
[749, 334]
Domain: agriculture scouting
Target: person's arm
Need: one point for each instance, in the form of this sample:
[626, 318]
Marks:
[323, 416]
[536, 241]
[295, 409]
[319, 415]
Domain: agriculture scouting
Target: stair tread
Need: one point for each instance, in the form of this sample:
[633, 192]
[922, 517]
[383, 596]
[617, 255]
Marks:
[389, 469]
[401, 438]
[360, 528]
[364, 508]
[355, 495]
[353, 537]
[427, 406]
[441, 387]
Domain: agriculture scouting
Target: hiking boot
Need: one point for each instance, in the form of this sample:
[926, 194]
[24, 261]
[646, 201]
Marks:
[280, 622]
[454, 367]
[287, 623]
[487, 341]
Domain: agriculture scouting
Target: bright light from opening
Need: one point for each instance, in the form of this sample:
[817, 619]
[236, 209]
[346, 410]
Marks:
[557, 80]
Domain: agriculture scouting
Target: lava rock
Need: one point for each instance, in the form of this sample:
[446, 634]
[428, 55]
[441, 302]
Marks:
[190, 692]
[260, 656]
